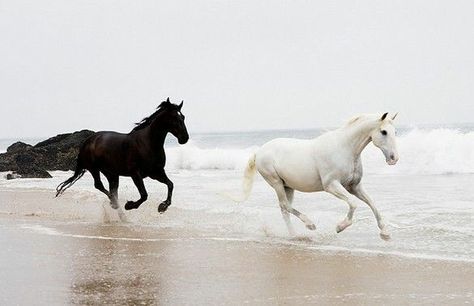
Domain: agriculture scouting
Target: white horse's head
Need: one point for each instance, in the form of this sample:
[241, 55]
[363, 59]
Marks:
[384, 138]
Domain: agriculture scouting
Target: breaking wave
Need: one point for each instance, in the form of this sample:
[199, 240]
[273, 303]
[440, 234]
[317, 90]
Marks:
[437, 151]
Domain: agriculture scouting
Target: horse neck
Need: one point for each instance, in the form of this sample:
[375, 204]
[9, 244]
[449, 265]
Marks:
[358, 137]
[156, 131]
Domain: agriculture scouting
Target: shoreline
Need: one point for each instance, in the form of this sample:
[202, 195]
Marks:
[75, 250]
[297, 243]
[28, 204]
[59, 263]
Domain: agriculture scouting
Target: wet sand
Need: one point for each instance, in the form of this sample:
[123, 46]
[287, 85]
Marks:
[56, 263]
[63, 251]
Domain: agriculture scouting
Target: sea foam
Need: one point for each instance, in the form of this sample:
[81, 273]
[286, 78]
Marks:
[437, 151]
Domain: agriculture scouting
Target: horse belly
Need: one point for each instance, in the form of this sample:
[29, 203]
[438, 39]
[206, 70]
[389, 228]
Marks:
[300, 178]
[107, 152]
[291, 161]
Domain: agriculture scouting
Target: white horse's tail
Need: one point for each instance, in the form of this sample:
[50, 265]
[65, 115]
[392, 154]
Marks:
[247, 184]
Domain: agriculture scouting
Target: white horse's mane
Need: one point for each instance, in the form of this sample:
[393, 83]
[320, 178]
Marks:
[358, 119]
[363, 118]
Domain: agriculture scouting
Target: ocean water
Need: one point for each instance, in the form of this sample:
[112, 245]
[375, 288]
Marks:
[427, 199]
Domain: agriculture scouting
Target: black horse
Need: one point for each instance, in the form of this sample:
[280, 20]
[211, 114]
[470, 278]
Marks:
[138, 154]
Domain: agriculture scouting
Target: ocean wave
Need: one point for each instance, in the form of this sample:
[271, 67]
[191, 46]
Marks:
[437, 151]
[191, 157]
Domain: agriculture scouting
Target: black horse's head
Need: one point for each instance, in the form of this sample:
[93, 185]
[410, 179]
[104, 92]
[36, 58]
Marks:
[168, 118]
[173, 120]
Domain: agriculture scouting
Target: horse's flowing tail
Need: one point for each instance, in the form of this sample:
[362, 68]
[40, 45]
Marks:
[247, 184]
[78, 173]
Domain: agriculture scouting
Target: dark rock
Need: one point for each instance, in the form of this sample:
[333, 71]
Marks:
[28, 166]
[60, 152]
[56, 153]
[18, 146]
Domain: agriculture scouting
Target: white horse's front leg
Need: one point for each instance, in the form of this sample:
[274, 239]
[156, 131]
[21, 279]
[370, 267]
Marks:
[335, 188]
[359, 192]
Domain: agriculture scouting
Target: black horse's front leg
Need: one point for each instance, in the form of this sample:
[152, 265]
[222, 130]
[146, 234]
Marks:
[162, 178]
[143, 194]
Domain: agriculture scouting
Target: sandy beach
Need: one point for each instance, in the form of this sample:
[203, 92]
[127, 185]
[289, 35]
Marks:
[49, 260]
[56, 264]
[268, 153]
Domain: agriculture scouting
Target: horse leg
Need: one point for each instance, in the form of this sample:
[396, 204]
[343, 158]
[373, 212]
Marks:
[286, 215]
[335, 188]
[273, 180]
[141, 189]
[98, 183]
[113, 189]
[162, 178]
[285, 204]
[359, 192]
[289, 196]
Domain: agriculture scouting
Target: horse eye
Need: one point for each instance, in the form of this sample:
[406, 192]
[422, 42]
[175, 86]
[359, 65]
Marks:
[384, 132]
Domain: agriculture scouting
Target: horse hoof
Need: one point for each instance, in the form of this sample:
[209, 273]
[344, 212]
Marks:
[385, 236]
[343, 225]
[163, 207]
[311, 227]
[340, 228]
[130, 205]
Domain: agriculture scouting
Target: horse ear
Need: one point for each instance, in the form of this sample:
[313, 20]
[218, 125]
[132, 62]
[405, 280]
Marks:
[168, 100]
[395, 116]
[383, 117]
[180, 105]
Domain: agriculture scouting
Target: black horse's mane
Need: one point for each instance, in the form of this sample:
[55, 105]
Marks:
[148, 120]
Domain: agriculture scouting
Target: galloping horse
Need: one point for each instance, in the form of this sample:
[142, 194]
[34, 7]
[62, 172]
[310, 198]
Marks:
[330, 162]
[138, 154]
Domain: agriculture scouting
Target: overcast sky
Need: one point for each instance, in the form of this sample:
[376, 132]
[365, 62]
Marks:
[239, 65]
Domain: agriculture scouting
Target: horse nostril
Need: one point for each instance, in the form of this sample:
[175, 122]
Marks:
[392, 156]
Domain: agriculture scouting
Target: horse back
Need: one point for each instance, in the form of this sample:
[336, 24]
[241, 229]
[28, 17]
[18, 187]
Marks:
[116, 153]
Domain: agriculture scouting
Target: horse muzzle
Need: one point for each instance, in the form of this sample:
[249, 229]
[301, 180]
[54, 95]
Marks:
[392, 159]
[183, 140]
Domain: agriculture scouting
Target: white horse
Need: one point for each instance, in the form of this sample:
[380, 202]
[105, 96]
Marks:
[330, 162]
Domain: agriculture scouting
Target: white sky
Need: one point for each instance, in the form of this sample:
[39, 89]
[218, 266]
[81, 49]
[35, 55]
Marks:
[239, 65]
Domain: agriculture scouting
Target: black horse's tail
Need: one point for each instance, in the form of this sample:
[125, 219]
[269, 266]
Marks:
[78, 173]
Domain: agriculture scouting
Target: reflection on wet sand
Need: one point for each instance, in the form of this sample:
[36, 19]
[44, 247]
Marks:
[60, 263]
[116, 272]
